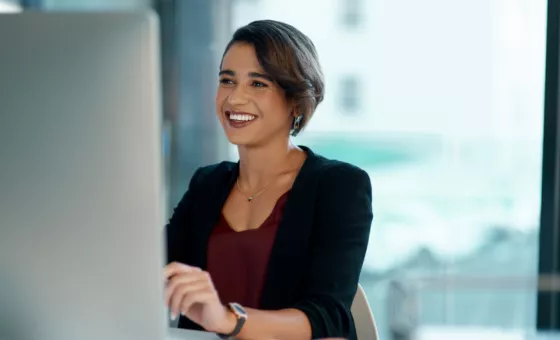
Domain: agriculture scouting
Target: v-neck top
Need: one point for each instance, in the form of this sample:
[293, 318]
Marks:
[238, 260]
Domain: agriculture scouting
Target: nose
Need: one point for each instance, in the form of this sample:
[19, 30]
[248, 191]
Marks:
[237, 96]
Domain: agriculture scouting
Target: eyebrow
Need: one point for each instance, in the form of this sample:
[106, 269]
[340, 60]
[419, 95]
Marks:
[251, 74]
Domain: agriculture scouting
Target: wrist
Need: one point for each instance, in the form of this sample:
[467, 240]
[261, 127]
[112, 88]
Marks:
[229, 323]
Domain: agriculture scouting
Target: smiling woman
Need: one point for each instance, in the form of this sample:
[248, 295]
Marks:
[268, 71]
[270, 247]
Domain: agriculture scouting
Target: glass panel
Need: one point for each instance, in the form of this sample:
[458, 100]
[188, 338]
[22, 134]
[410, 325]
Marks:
[94, 5]
[450, 130]
[9, 6]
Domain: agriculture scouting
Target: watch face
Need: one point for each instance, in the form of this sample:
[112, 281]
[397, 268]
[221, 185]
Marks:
[238, 309]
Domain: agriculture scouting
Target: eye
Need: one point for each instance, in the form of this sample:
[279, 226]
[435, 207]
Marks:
[226, 81]
[259, 84]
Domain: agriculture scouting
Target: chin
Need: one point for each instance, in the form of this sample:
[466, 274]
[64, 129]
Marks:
[240, 139]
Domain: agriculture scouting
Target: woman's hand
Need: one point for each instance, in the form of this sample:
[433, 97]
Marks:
[190, 292]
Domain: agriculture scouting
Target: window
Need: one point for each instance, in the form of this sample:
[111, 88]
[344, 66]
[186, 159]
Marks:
[9, 6]
[349, 95]
[450, 131]
[86, 5]
[352, 15]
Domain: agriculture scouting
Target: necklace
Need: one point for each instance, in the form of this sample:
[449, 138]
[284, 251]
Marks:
[252, 197]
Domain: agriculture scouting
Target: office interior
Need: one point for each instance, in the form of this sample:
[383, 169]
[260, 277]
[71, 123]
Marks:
[452, 109]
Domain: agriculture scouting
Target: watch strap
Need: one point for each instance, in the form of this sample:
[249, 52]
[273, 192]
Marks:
[238, 326]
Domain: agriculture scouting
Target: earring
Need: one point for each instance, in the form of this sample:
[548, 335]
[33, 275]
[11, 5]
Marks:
[297, 122]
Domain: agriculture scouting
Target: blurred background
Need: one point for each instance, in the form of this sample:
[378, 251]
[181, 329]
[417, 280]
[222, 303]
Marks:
[441, 101]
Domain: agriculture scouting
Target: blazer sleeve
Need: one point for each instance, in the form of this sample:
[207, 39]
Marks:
[175, 228]
[339, 243]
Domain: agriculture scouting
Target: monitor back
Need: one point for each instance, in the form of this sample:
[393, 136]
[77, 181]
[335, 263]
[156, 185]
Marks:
[81, 190]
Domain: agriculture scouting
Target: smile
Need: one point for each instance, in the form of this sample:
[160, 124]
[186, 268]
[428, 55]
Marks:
[239, 119]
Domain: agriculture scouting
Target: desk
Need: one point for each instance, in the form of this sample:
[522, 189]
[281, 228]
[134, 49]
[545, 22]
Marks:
[470, 333]
[183, 334]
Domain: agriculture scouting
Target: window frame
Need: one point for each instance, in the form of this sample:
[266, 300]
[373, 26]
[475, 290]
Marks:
[548, 302]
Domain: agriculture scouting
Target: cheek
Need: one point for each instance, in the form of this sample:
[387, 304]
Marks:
[279, 109]
[273, 106]
[221, 95]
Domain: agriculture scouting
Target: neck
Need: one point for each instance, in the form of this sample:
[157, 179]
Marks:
[258, 164]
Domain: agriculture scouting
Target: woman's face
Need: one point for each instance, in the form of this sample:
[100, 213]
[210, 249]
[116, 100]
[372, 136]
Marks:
[250, 106]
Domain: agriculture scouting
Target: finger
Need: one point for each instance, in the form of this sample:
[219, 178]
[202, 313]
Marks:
[175, 268]
[183, 279]
[202, 296]
[185, 290]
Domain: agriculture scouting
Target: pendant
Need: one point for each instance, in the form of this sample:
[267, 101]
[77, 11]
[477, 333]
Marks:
[249, 199]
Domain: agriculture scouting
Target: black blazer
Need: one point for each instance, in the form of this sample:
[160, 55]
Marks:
[319, 248]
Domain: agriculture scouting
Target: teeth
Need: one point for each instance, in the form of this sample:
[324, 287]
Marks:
[241, 117]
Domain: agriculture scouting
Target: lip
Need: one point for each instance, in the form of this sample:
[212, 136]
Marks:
[238, 124]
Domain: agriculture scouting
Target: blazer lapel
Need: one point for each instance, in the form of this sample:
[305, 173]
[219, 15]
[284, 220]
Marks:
[291, 244]
[209, 206]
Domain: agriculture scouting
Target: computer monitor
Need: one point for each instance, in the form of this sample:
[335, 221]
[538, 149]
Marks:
[81, 192]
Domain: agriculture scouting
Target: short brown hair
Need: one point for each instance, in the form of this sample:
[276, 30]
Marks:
[290, 58]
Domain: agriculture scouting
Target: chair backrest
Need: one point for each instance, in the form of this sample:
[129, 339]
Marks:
[363, 317]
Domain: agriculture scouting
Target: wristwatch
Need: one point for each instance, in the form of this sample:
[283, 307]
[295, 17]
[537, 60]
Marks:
[241, 315]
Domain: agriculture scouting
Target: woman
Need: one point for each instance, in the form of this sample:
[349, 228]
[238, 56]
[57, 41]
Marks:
[270, 247]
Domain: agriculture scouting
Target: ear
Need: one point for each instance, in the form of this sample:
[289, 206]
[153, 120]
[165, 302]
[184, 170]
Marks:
[295, 111]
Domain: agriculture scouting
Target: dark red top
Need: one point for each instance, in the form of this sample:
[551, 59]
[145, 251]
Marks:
[238, 261]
